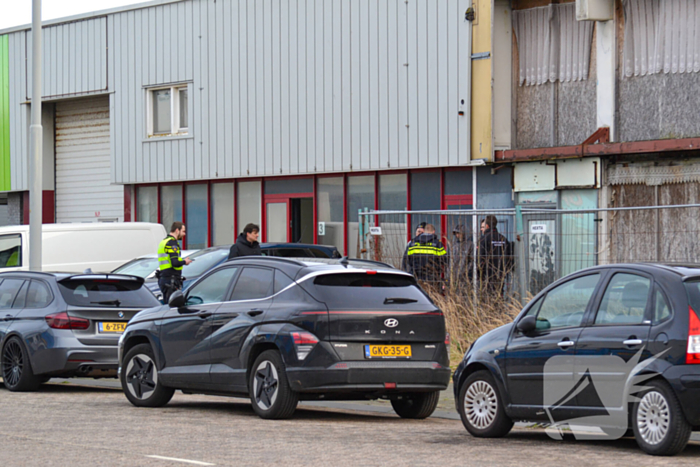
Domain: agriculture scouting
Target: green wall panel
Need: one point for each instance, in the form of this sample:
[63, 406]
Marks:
[5, 181]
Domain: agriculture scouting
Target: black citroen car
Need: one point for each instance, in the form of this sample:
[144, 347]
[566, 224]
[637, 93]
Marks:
[280, 330]
[613, 347]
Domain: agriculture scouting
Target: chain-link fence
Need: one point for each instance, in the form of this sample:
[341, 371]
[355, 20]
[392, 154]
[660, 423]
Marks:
[532, 247]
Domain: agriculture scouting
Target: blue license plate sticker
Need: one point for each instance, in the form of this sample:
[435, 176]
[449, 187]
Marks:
[367, 355]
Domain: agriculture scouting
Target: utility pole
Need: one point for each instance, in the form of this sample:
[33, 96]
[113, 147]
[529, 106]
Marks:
[35, 146]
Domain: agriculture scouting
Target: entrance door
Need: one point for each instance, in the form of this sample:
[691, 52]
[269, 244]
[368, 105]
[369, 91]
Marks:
[277, 223]
[289, 219]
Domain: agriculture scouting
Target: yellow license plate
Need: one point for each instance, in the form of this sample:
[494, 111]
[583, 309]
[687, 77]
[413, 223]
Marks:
[387, 351]
[112, 327]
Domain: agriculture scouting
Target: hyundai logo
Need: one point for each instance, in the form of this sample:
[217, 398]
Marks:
[120, 314]
[391, 323]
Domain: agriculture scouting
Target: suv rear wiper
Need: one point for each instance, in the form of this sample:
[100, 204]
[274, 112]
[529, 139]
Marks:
[390, 301]
[108, 302]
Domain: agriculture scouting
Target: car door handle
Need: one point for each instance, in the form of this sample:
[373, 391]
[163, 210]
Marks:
[204, 315]
[565, 344]
[632, 342]
[7, 318]
[254, 312]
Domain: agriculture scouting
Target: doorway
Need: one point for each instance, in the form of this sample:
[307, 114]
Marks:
[289, 219]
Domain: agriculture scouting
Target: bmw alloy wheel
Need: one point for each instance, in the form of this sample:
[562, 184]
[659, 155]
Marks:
[653, 417]
[480, 404]
[265, 385]
[141, 376]
[12, 363]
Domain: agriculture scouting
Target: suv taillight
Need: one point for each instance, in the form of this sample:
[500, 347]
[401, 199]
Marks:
[304, 342]
[693, 353]
[63, 321]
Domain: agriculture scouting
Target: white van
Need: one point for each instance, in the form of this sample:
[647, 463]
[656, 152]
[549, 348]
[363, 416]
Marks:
[76, 247]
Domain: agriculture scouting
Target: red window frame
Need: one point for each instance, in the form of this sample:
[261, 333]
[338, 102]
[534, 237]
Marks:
[445, 200]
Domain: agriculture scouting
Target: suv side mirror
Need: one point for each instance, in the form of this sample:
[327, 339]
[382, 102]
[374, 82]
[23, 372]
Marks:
[177, 299]
[527, 324]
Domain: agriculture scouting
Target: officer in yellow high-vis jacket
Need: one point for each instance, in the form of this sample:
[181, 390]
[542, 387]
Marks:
[170, 262]
[426, 256]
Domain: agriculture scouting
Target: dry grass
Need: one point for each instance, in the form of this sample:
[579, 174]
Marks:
[467, 319]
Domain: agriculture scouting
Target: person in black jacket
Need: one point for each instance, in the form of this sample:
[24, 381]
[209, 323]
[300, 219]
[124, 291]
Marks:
[247, 243]
[492, 252]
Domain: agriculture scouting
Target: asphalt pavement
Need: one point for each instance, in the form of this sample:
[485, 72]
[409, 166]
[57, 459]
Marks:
[88, 422]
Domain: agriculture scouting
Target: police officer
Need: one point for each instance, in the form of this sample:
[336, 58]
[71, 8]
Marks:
[169, 261]
[426, 256]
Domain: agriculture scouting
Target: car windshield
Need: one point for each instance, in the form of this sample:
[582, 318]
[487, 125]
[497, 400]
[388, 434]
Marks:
[107, 293]
[142, 267]
[203, 261]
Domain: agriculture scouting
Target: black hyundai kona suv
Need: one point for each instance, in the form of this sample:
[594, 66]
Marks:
[280, 330]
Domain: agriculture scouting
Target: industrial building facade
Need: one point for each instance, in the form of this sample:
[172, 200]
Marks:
[291, 114]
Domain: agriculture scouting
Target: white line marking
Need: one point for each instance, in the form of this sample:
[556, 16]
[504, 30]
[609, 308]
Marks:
[174, 459]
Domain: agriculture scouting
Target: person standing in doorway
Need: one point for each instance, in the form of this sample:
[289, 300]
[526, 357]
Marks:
[247, 243]
[170, 262]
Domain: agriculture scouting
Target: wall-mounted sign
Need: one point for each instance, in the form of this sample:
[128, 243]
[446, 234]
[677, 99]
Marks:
[321, 228]
[538, 228]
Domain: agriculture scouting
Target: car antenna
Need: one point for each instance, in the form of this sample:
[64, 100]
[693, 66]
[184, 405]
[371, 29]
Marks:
[344, 261]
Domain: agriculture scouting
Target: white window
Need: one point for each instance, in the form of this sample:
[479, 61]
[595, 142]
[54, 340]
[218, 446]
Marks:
[168, 111]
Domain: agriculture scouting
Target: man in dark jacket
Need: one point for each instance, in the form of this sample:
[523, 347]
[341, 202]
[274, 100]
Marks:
[426, 257]
[247, 243]
[492, 252]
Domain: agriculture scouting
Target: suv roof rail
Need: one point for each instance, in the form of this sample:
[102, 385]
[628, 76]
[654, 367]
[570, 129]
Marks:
[295, 262]
[43, 273]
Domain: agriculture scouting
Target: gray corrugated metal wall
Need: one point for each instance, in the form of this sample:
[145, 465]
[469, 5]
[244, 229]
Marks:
[19, 115]
[74, 64]
[276, 86]
[292, 86]
[74, 58]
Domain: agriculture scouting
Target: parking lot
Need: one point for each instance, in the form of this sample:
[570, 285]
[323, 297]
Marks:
[80, 423]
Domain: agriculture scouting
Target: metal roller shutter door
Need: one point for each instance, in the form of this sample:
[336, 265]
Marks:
[83, 190]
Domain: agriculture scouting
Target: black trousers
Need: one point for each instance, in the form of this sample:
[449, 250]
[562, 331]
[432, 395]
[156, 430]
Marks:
[168, 285]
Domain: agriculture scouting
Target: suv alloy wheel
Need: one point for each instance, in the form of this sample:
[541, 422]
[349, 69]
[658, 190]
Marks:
[139, 378]
[270, 394]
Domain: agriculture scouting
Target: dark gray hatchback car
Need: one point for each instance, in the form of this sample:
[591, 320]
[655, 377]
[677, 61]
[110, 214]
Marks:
[64, 325]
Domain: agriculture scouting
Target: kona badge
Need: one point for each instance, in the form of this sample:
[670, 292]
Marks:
[391, 322]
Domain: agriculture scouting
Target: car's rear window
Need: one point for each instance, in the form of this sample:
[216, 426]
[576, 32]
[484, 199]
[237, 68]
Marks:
[365, 280]
[108, 293]
[693, 290]
[361, 290]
